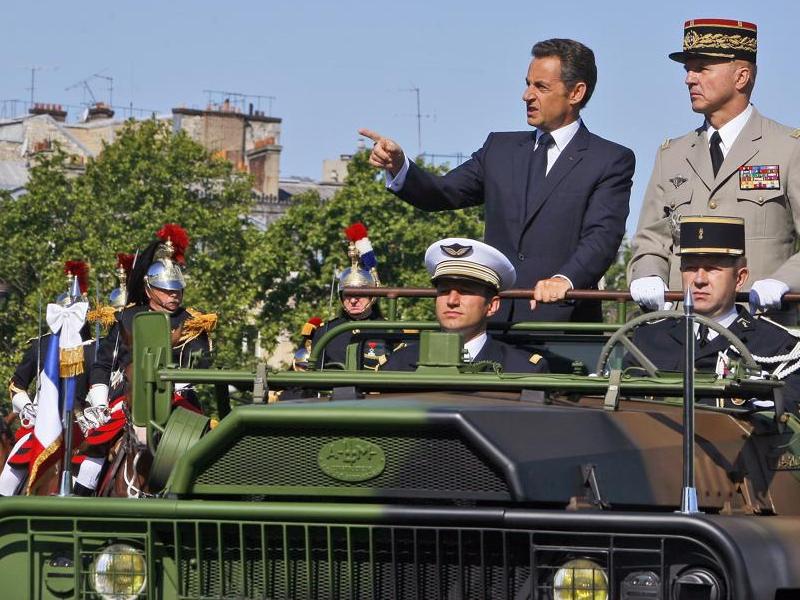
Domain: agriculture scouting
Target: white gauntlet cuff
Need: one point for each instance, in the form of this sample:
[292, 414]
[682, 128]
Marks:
[98, 395]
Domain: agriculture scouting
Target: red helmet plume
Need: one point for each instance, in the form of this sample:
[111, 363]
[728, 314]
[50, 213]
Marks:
[179, 238]
[356, 231]
[125, 261]
[79, 269]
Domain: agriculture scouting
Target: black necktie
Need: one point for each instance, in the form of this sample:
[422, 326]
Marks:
[716, 152]
[702, 334]
[539, 166]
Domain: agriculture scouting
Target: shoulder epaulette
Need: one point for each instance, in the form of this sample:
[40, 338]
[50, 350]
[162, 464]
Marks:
[199, 322]
[792, 332]
[665, 144]
[535, 358]
[795, 134]
[105, 315]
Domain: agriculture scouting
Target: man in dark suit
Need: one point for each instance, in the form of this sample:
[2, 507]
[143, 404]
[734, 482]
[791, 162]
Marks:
[467, 275]
[556, 199]
[713, 266]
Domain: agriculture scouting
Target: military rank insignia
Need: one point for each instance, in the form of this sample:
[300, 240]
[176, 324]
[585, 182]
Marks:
[760, 177]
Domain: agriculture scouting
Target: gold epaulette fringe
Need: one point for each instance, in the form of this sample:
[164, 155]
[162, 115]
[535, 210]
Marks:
[105, 315]
[71, 361]
[199, 323]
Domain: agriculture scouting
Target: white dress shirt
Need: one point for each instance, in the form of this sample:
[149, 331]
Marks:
[474, 346]
[725, 320]
[730, 131]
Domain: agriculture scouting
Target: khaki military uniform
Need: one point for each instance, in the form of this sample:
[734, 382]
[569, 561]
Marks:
[683, 183]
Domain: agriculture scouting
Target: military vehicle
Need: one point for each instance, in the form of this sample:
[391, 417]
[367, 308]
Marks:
[454, 481]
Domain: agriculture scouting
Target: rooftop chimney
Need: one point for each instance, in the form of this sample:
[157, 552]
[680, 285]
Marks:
[54, 110]
[98, 112]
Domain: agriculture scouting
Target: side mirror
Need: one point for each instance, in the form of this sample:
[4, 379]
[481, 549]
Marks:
[151, 400]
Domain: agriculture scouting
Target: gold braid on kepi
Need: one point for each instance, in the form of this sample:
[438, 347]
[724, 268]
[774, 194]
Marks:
[718, 38]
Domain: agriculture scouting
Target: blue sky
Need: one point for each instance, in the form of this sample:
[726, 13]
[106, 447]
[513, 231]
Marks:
[337, 66]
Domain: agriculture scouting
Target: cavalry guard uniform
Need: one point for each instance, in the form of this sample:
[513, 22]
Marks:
[28, 370]
[158, 268]
[774, 347]
[475, 262]
[362, 272]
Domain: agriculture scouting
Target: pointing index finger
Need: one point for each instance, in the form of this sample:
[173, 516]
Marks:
[373, 135]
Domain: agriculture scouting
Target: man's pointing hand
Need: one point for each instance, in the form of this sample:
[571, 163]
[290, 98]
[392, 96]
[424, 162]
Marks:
[386, 154]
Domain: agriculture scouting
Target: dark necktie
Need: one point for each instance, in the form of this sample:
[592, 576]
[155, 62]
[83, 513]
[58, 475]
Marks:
[702, 334]
[716, 152]
[539, 166]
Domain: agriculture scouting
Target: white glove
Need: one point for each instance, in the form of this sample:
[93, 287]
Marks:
[766, 294]
[19, 400]
[27, 416]
[93, 417]
[98, 395]
[648, 292]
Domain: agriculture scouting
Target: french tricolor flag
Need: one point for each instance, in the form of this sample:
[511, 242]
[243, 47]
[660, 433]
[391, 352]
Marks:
[64, 358]
[46, 447]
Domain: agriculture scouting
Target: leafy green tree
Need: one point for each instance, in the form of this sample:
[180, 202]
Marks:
[146, 177]
[615, 279]
[305, 248]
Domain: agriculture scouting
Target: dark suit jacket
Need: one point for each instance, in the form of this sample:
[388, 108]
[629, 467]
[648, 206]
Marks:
[513, 359]
[573, 226]
[662, 342]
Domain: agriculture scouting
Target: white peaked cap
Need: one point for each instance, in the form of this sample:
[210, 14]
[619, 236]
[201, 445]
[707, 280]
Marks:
[471, 259]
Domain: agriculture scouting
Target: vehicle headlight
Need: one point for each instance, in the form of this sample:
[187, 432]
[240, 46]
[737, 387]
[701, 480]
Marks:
[119, 572]
[580, 579]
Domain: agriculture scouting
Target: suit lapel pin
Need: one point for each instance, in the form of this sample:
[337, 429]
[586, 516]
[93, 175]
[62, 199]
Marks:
[678, 181]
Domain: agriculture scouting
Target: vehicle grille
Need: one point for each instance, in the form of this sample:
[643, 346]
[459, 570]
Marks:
[278, 560]
[440, 464]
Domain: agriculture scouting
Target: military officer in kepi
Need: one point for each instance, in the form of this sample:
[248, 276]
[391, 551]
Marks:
[28, 371]
[737, 162]
[156, 284]
[362, 272]
[468, 275]
[714, 267]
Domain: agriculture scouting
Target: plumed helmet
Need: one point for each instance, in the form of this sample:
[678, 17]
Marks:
[363, 269]
[165, 271]
[118, 298]
[77, 272]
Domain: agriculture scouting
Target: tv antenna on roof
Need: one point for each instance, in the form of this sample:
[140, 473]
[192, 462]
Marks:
[419, 116]
[33, 70]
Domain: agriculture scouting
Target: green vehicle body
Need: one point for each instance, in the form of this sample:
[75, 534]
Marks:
[444, 483]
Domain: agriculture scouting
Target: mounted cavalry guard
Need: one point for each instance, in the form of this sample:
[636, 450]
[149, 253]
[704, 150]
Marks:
[156, 284]
[362, 272]
[714, 267]
[59, 362]
[118, 298]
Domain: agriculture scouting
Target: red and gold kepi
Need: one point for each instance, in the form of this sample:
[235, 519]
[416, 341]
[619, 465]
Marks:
[718, 38]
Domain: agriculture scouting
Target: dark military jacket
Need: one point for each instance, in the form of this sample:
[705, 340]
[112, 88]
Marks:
[191, 345]
[336, 350]
[26, 370]
[512, 359]
[663, 342]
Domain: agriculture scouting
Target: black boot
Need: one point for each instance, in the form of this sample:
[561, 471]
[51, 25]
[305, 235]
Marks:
[81, 490]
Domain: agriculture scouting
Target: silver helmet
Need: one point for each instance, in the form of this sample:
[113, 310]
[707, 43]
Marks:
[356, 275]
[77, 273]
[118, 298]
[165, 273]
